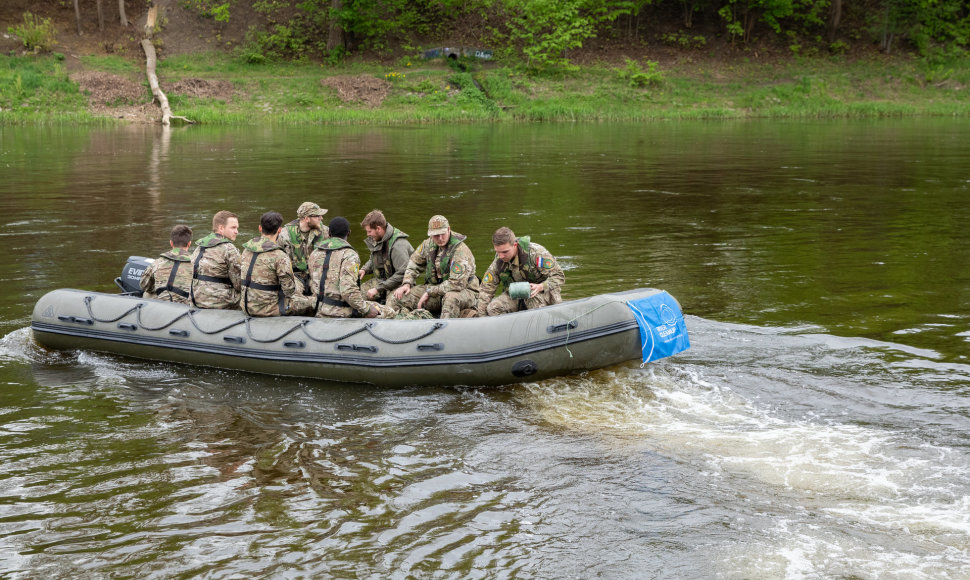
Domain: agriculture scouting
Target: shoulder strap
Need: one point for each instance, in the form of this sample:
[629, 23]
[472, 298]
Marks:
[170, 285]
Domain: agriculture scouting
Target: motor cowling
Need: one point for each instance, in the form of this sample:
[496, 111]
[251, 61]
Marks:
[131, 275]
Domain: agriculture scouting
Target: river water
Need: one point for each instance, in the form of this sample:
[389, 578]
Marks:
[817, 428]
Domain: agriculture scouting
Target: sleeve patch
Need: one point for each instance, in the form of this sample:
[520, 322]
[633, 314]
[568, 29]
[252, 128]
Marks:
[457, 269]
[488, 279]
[544, 263]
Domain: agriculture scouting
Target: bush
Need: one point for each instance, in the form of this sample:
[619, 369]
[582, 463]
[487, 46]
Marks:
[637, 77]
[36, 34]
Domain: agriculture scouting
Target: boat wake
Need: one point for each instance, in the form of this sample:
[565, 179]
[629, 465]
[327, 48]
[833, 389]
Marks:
[834, 456]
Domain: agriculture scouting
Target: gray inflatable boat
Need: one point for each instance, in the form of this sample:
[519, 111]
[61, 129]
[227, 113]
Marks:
[574, 336]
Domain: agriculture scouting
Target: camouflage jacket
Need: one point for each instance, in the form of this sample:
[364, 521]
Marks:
[299, 245]
[532, 263]
[158, 281]
[388, 258]
[267, 278]
[215, 273]
[451, 269]
[341, 294]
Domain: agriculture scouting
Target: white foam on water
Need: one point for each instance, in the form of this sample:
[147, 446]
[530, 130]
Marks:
[856, 499]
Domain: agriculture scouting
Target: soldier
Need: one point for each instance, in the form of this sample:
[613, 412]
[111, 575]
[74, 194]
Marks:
[169, 277]
[298, 238]
[519, 260]
[334, 280]
[215, 265]
[268, 285]
[450, 281]
[390, 251]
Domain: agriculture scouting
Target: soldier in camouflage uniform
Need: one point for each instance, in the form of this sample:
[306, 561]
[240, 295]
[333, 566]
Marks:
[519, 260]
[170, 276]
[449, 266]
[268, 285]
[215, 265]
[390, 251]
[298, 239]
[334, 280]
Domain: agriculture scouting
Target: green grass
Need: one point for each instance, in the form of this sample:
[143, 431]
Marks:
[36, 90]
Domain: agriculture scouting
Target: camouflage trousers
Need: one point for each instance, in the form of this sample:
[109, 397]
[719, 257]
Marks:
[448, 306]
[505, 304]
[368, 285]
[382, 311]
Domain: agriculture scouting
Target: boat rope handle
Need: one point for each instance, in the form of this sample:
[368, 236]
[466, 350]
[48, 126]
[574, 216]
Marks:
[217, 331]
[249, 332]
[325, 340]
[577, 317]
[87, 303]
[164, 326]
[303, 324]
[434, 327]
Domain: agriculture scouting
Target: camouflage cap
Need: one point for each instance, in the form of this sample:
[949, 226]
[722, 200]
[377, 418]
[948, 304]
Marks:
[438, 225]
[310, 209]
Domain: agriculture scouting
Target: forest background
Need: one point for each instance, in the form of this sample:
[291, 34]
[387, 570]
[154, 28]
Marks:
[332, 61]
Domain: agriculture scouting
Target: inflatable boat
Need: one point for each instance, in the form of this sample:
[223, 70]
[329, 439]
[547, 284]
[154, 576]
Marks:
[575, 336]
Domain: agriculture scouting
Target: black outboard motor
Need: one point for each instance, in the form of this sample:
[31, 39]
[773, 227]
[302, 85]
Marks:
[131, 275]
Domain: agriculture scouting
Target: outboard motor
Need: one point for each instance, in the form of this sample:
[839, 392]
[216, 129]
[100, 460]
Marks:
[131, 275]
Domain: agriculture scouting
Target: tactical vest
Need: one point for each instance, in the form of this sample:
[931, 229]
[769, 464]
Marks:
[532, 275]
[382, 260]
[170, 284]
[248, 282]
[328, 246]
[444, 260]
[210, 241]
[293, 235]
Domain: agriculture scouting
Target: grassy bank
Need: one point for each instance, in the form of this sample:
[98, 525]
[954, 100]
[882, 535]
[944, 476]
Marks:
[38, 90]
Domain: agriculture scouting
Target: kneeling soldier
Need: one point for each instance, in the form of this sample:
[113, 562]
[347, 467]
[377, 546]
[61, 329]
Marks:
[519, 260]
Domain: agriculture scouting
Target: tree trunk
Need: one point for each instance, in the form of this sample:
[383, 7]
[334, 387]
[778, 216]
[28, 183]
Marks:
[121, 12]
[77, 16]
[836, 19]
[335, 38]
[150, 61]
[100, 17]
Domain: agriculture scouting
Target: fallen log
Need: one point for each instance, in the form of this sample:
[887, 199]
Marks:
[150, 61]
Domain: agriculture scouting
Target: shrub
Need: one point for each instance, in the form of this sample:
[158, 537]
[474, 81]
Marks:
[637, 77]
[36, 34]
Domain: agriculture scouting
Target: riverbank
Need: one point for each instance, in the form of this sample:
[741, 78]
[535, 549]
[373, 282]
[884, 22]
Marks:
[222, 89]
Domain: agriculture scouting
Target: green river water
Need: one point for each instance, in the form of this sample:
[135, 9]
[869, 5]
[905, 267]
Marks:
[817, 428]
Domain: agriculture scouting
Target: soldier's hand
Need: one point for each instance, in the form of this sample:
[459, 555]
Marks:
[423, 300]
[361, 274]
[536, 289]
[372, 293]
[372, 313]
[402, 290]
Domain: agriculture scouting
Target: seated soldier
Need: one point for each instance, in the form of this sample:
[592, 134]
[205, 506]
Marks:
[268, 285]
[215, 265]
[170, 276]
[334, 280]
[519, 260]
[449, 268]
[390, 251]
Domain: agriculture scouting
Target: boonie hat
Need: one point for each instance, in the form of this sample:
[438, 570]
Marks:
[309, 209]
[438, 225]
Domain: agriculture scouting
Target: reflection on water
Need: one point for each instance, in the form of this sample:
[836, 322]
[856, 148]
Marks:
[818, 427]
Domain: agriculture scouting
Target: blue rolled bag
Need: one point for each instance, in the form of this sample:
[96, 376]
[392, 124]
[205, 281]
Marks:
[663, 331]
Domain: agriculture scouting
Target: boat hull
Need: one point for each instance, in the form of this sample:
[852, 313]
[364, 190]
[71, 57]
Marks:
[571, 337]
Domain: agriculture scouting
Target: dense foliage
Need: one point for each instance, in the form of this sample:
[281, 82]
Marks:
[541, 33]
